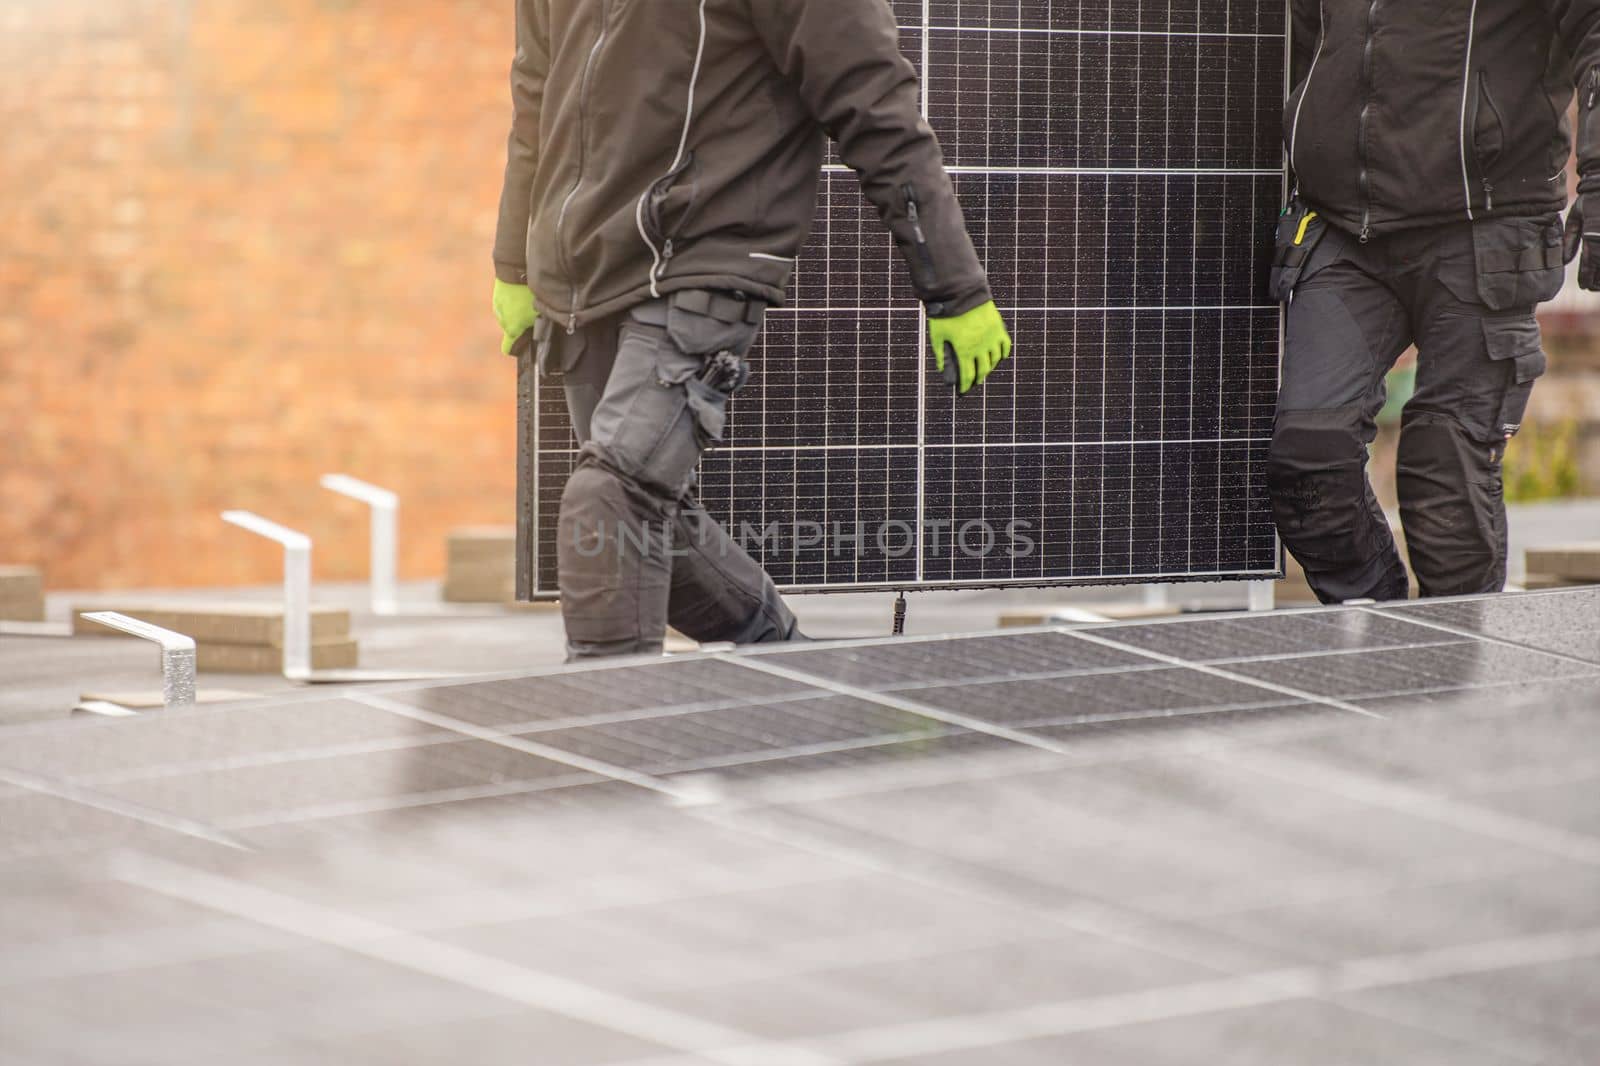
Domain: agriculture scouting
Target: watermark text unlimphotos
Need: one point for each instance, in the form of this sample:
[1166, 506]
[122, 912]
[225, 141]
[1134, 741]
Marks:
[894, 539]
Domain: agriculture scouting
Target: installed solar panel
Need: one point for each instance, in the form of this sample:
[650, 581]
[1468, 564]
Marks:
[1118, 161]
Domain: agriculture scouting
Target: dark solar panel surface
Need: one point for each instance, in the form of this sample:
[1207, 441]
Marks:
[1366, 834]
[1118, 162]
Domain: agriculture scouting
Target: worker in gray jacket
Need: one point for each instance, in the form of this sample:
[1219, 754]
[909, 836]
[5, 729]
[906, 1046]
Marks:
[664, 164]
[1429, 145]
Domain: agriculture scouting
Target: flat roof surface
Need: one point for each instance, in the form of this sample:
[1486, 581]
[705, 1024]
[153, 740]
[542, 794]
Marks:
[1329, 836]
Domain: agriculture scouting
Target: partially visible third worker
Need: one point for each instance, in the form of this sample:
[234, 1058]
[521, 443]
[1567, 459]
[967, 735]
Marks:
[1429, 144]
[665, 158]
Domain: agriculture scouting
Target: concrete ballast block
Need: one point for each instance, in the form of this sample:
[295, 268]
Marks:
[480, 565]
[337, 654]
[21, 594]
[1574, 562]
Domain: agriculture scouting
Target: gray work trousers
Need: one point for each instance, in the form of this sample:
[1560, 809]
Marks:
[1465, 295]
[647, 393]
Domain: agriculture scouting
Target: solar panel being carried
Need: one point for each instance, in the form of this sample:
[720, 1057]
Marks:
[1118, 162]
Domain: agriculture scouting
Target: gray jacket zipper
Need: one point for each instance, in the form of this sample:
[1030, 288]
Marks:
[1365, 181]
[583, 159]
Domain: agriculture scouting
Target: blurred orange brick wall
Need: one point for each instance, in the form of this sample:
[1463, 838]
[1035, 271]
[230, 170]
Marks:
[243, 244]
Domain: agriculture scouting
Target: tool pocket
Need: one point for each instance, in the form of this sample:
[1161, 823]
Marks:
[643, 419]
[1520, 261]
[717, 329]
[1300, 231]
[702, 322]
[1515, 342]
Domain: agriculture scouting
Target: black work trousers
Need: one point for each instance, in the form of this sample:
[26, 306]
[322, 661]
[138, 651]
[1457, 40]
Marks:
[647, 392]
[1465, 295]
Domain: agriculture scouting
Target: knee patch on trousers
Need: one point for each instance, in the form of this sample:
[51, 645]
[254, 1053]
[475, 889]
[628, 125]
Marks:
[614, 554]
[1324, 508]
[1316, 476]
[1452, 504]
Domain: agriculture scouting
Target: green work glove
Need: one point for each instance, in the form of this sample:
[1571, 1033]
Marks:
[978, 341]
[513, 307]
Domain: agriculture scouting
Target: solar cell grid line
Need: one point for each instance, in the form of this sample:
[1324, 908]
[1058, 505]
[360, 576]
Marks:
[774, 666]
[922, 333]
[1106, 264]
[1444, 628]
[1215, 671]
[1130, 432]
[526, 746]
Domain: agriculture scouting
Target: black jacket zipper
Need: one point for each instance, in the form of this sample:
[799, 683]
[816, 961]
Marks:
[1482, 99]
[914, 216]
[1364, 181]
[653, 201]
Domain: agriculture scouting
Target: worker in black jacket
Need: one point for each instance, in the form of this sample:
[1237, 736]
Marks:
[1429, 145]
[663, 170]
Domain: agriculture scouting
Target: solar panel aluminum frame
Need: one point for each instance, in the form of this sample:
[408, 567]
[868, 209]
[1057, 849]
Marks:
[861, 294]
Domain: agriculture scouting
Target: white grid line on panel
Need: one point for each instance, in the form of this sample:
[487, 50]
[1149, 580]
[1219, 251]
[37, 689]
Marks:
[1194, 341]
[1048, 32]
[1120, 442]
[1221, 370]
[1161, 417]
[1062, 309]
[1072, 456]
[1044, 325]
[923, 353]
[1240, 573]
[1133, 353]
[1011, 372]
[534, 557]
[988, 214]
[1105, 324]
[1140, 172]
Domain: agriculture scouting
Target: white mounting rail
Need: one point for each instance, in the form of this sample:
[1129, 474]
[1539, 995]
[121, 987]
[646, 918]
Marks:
[385, 537]
[296, 588]
[177, 655]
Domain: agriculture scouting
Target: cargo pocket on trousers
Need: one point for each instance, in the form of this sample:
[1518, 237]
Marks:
[1519, 260]
[644, 412]
[718, 330]
[1515, 341]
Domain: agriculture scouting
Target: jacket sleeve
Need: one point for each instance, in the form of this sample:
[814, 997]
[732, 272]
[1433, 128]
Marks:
[1305, 30]
[528, 70]
[843, 58]
[1578, 24]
